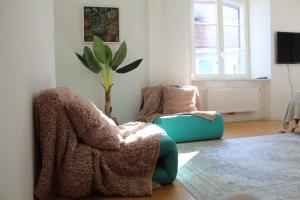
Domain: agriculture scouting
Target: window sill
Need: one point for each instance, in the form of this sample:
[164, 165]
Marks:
[228, 79]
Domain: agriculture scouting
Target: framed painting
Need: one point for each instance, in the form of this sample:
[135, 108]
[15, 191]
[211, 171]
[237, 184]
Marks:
[102, 22]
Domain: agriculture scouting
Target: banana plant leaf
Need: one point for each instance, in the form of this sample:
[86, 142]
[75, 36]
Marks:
[82, 59]
[119, 56]
[108, 55]
[93, 65]
[129, 67]
[99, 50]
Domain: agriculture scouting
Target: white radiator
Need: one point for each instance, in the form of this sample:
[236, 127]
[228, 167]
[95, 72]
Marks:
[233, 100]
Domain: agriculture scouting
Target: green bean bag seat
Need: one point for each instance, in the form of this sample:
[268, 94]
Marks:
[167, 164]
[187, 128]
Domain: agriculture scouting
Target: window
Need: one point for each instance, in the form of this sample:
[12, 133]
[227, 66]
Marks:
[220, 39]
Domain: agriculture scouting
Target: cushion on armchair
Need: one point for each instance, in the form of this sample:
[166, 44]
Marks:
[92, 125]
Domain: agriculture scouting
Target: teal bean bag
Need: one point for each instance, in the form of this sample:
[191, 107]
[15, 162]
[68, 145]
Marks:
[187, 128]
[167, 163]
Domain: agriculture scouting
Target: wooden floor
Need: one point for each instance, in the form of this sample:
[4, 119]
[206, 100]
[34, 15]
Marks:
[176, 191]
[250, 128]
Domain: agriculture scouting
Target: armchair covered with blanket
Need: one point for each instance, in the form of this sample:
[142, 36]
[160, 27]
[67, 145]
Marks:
[177, 110]
[82, 150]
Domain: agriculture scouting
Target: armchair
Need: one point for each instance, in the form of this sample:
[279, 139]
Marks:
[82, 149]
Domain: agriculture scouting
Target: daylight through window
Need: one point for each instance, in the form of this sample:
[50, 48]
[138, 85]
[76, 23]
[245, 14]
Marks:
[220, 38]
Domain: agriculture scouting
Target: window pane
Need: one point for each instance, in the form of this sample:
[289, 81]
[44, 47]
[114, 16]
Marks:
[231, 14]
[242, 37]
[234, 62]
[205, 11]
[205, 36]
[208, 44]
[206, 62]
[232, 37]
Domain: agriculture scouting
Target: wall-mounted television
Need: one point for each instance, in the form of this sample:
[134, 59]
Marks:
[288, 48]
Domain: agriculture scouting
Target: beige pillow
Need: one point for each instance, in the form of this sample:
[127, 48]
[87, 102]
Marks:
[92, 126]
[178, 100]
[152, 99]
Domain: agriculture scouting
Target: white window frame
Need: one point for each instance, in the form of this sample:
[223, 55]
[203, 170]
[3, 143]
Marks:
[220, 45]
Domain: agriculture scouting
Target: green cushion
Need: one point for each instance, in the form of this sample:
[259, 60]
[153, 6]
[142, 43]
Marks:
[187, 128]
[167, 163]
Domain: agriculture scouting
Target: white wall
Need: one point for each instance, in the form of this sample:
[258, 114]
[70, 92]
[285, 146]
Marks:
[169, 41]
[285, 16]
[126, 92]
[26, 66]
[260, 38]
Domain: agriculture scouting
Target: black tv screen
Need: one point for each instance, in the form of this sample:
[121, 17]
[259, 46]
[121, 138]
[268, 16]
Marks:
[288, 48]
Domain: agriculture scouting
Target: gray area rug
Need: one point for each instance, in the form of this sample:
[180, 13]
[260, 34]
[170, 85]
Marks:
[267, 167]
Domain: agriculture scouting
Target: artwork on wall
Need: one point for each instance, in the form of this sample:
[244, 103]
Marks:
[102, 22]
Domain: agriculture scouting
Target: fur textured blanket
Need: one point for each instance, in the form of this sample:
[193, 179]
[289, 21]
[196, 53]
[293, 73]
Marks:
[70, 168]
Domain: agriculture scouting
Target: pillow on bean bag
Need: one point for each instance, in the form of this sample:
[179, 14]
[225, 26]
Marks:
[152, 99]
[92, 126]
[178, 100]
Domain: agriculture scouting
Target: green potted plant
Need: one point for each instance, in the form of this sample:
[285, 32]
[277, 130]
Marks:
[101, 60]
